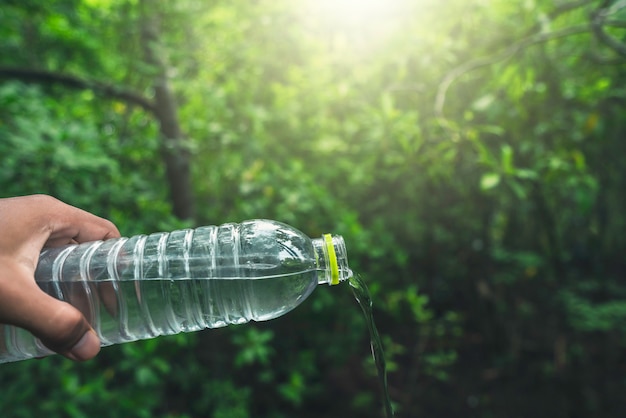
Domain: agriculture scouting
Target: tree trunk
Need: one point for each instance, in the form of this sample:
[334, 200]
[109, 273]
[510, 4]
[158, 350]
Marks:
[175, 153]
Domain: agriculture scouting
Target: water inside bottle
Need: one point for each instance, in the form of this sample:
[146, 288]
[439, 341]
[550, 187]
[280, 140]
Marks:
[129, 310]
[364, 299]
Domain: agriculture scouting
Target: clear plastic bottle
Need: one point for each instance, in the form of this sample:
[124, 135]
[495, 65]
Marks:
[165, 283]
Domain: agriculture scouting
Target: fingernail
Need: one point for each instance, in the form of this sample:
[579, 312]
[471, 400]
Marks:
[87, 347]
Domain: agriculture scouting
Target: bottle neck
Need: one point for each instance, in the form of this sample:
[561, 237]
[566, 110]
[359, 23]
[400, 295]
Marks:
[332, 259]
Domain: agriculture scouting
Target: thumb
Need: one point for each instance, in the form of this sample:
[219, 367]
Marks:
[67, 331]
[60, 326]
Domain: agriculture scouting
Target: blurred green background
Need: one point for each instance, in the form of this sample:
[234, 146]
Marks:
[471, 152]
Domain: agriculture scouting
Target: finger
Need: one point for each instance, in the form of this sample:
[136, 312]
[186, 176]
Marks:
[73, 337]
[39, 220]
[71, 224]
[58, 325]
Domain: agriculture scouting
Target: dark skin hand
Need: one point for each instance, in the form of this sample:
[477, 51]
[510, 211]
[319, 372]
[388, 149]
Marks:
[27, 224]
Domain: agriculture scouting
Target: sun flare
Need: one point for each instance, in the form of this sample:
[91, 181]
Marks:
[354, 14]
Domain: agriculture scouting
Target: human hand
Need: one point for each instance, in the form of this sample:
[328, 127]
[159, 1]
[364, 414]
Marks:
[27, 224]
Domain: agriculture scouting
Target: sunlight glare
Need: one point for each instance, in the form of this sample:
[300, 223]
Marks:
[354, 14]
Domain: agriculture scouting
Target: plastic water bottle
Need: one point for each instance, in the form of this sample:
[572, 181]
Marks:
[165, 283]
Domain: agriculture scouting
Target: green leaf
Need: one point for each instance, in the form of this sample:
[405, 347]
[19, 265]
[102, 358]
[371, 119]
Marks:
[526, 174]
[507, 159]
[483, 103]
[489, 181]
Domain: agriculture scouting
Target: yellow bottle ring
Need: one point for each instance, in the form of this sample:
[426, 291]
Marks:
[332, 259]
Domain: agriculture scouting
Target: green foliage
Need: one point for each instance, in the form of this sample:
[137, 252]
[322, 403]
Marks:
[253, 347]
[486, 216]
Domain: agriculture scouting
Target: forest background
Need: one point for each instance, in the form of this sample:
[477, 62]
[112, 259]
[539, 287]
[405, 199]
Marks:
[471, 153]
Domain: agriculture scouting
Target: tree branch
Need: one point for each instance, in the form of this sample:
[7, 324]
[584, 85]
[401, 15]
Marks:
[602, 60]
[599, 20]
[531, 38]
[506, 53]
[28, 75]
[559, 10]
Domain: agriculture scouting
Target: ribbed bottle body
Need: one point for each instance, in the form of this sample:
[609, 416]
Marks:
[165, 283]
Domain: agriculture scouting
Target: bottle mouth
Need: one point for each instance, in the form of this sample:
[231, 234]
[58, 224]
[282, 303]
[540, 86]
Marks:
[332, 259]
